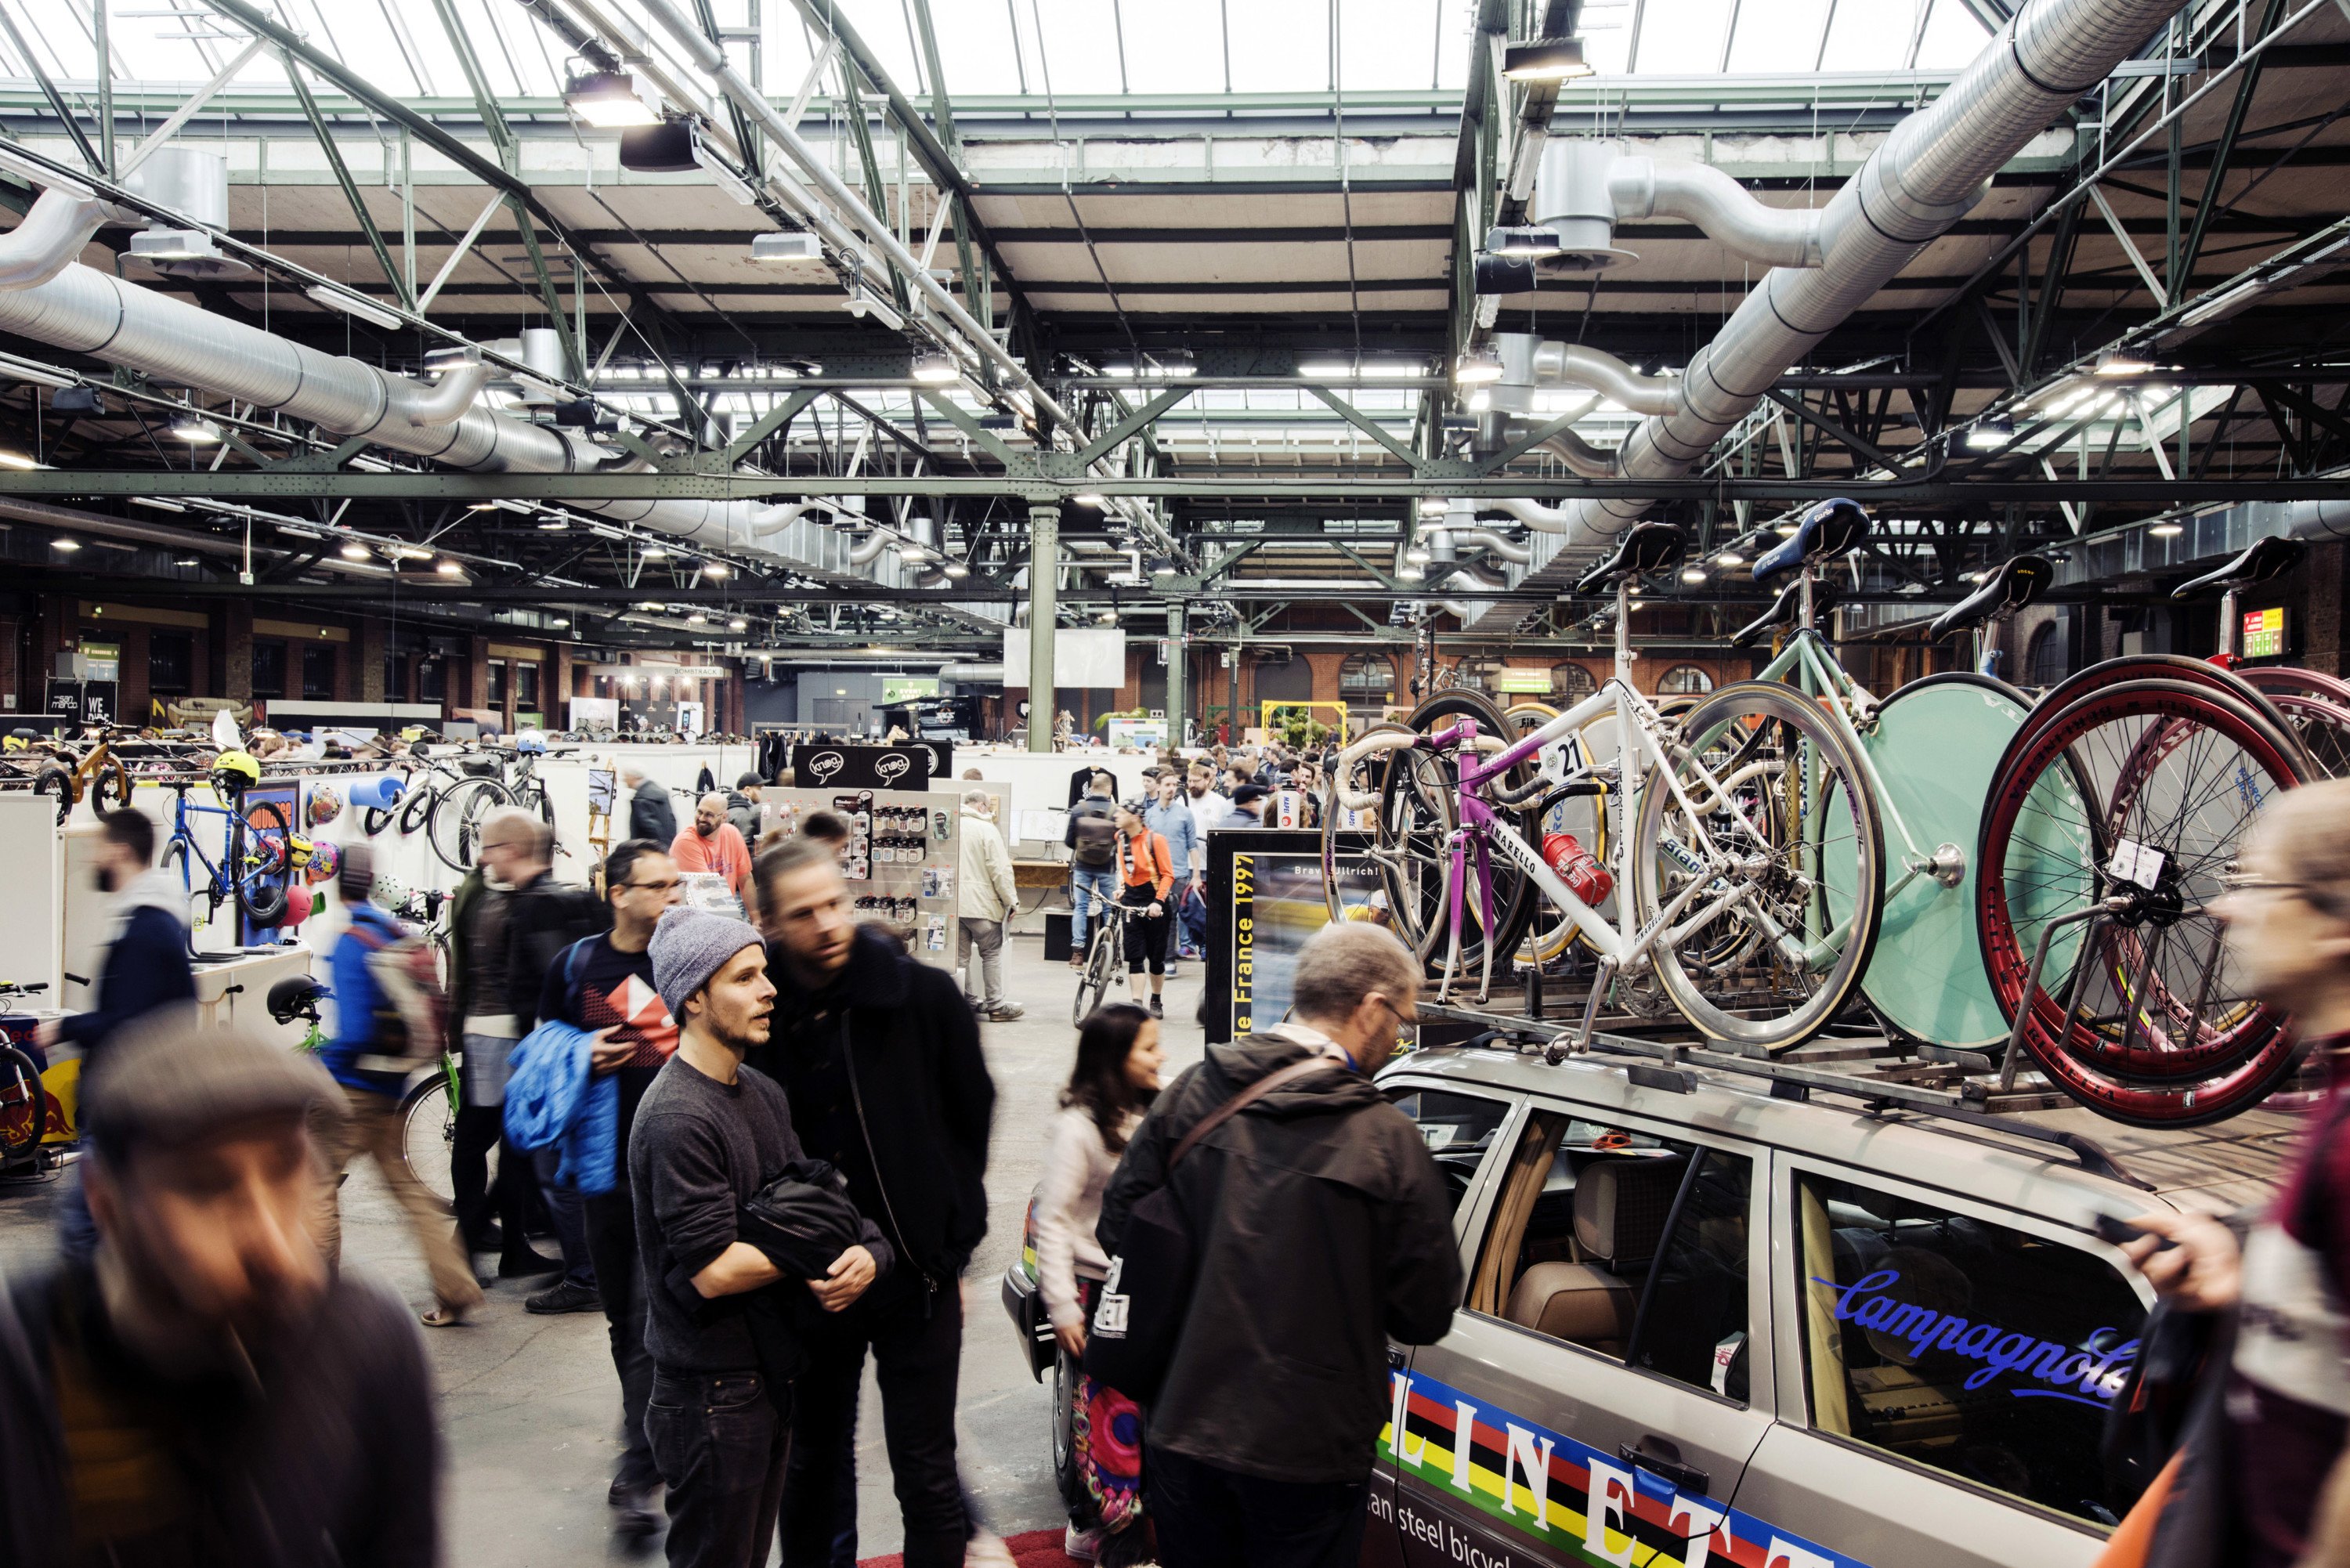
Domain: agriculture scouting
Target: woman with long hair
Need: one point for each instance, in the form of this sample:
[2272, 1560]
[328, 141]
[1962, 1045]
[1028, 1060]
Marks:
[1113, 1083]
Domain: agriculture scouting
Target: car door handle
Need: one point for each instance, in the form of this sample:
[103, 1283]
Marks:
[1666, 1463]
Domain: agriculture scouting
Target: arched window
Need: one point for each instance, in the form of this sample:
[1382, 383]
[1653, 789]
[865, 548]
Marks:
[1366, 681]
[2043, 659]
[1684, 681]
[1570, 683]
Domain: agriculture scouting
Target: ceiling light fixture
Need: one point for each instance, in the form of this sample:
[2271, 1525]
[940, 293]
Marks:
[449, 569]
[1693, 573]
[1524, 239]
[559, 622]
[354, 305]
[68, 545]
[160, 504]
[1434, 506]
[1989, 433]
[934, 368]
[1785, 530]
[2122, 362]
[653, 552]
[612, 100]
[957, 569]
[738, 624]
[18, 460]
[786, 249]
[1417, 554]
[713, 568]
[195, 430]
[1410, 572]
[354, 552]
[2166, 530]
[1546, 60]
[1097, 503]
[1730, 558]
[1483, 365]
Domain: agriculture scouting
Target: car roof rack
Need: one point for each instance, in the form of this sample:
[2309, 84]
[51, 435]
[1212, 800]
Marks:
[1663, 1064]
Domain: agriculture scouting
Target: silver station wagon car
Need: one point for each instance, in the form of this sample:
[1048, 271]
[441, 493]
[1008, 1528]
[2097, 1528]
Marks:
[1710, 1320]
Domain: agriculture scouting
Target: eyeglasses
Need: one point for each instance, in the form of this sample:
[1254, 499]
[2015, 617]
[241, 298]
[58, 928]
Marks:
[671, 885]
[1407, 1023]
[2236, 883]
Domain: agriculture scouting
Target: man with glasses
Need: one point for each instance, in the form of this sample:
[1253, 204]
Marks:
[2287, 1407]
[602, 988]
[1327, 1233]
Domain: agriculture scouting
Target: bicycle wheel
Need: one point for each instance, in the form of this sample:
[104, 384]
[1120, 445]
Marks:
[2322, 727]
[2147, 667]
[1774, 865]
[373, 820]
[23, 1106]
[1418, 814]
[261, 862]
[416, 807]
[1934, 745]
[109, 788]
[55, 782]
[457, 818]
[428, 1134]
[2145, 792]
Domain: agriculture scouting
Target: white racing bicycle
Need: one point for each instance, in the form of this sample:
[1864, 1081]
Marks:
[1752, 862]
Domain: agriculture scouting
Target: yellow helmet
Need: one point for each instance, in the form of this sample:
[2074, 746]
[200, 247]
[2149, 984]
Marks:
[234, 772]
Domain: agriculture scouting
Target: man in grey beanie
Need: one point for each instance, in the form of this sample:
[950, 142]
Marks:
[709, 1134]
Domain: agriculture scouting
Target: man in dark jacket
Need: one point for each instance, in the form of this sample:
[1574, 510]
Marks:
[146, 968]
[878, 1055]
[1260, 1443]
[204, 1389]
[650, 815]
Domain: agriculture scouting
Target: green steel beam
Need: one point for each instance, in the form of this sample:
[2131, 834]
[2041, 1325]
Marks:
[55, 99]
[1370, 427]
[785, 410]
[974, 286]
[342, 173]
[1135, 421]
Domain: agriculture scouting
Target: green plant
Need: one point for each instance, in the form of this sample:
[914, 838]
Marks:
[1102, 721]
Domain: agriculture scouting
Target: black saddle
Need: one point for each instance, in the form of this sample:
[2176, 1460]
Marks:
[1784, 612]
[1640, 549]
[2019, 580]
[2266, 559]
[1831, 528]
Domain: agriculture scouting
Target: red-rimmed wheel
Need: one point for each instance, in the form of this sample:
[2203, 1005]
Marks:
[2145, 792]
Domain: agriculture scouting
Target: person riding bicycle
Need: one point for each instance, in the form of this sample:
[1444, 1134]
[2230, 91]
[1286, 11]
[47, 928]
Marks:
[1145, 876]
[1092, 840]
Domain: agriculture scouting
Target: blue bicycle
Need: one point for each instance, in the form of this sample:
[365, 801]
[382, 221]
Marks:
[256, 862]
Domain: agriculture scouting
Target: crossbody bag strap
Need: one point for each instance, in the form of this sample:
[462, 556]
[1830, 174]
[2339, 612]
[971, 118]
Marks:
[1242, 1101]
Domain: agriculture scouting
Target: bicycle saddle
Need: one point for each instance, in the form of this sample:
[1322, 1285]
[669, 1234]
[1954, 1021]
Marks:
[1784, 612]
[1831, 528]
[2265, 559]
[1642, 548]
[2017, 582]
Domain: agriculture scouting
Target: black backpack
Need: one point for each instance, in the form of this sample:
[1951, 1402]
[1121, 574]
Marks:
[1093, 841]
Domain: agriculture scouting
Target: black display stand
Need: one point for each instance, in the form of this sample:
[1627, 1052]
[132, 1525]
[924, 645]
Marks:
[824, 765]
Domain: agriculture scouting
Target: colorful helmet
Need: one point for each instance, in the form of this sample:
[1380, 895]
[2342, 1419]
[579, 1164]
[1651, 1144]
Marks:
[234, 772]
[326, 862]
[530, 741]
[326, 804]
[300, 904]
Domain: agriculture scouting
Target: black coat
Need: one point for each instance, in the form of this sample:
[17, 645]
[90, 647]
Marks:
[1322, 1229]
[913, 1052]
[650, 815]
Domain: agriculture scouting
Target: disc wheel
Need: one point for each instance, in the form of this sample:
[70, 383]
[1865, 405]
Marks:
[416, 808]
[2143, 791]
[373, 820]
[1776, 860]
[261, 856]
[458, 813]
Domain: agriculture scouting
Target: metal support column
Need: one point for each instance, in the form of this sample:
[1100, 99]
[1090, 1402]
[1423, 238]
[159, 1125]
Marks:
[1044, 581]
[1178, 659]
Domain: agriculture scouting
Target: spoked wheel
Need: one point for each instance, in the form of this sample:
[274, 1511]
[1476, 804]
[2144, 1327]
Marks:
[57, 783]
[416, 807]
[1550, 932]
[2315, 707]
[23, 1106]
[261, 858]
[2141, 792]
[110, 787]
[428, 1127]
[458, 813]
[373, 820]
[1771, 856]
[1100, 974]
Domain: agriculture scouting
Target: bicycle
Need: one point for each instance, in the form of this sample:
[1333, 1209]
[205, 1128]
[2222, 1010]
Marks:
[25, 1100]
[428, 1110]
[1728, 863]
[256, 860]
[1104, 958]
[77, 771]
[450, 811]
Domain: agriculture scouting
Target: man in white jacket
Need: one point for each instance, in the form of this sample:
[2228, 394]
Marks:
[984, 898]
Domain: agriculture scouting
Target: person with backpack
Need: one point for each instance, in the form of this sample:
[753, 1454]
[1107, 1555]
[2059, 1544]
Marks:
[1323, 1230]
[374, 1049]
[1146, 884]
[1092, 840]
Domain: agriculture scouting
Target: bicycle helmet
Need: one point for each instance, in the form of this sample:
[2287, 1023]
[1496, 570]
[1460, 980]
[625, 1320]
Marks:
[326, 862]
[530, 742]
[235, 771]
[296, 996]
[300, 904]
[326, 804]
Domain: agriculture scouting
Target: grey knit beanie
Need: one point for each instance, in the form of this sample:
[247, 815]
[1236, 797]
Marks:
[688, 946]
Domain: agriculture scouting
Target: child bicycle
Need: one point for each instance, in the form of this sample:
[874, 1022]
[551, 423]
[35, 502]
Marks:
[25, 1100]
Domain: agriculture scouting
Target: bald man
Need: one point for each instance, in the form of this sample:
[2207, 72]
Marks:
[712, 844]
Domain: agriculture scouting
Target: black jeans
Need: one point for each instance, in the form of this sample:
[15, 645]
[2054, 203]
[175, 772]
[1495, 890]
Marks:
[1209, 1516]
[917, 1343]
[481, 1129]
[721, 1445]
[612, 1244]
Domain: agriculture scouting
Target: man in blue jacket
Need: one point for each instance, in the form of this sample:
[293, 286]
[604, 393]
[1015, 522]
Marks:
[146, 968]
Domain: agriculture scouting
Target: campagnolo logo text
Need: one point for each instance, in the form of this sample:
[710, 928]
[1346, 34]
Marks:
[891, 767]
[2089, 1373]
[824, 764]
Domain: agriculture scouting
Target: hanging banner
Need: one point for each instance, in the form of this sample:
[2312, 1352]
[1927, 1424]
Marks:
[862, 767]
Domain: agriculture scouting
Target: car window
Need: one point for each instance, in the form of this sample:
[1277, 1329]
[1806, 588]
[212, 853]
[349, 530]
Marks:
[1963, 1345]
[1627, 1244]
[1457, 1128]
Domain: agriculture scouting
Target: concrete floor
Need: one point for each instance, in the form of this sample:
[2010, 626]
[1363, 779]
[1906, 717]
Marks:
[529, 1406]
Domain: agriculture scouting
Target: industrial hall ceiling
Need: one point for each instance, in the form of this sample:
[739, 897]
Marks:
[765, 323]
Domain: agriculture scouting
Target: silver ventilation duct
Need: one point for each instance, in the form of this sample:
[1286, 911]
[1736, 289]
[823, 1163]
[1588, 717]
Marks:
[1501, 547]
[194, 182]
[1587, 187]
[1930, 169]
[47, 296]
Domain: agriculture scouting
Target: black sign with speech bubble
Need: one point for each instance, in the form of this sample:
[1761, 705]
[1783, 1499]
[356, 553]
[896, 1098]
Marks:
[826, 767]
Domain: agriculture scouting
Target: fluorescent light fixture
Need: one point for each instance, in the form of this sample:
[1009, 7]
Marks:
[1785, 530]
[957, 569]
[738, 624]
[449, 569]
[2122, 362]
[411, 553]
[1434, 506]
[1327, 369]
[355, 305]
[713, 568]
[355, 552]
[1097, 503]
[2166, 530]
[482, 506]
[723, 175]
[1162, 568]
[159, 503]
[1546, 60]
[696, 618]
[781, 249]
[18, 460]
[934, 368]
[187, 561]
[1410, 572]
[612, 100]
[195, 430]
[554, 525]
[1524, 239]
[1107, 618]
[1480, 399]
[1483, 365]
[68, 545]
[653, 552]
[1417, 554]
[559, 622]
[1693, 573]
[1730, 558]
[1989, 433]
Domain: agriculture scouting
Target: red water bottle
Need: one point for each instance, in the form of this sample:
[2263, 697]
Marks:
[1583, 876]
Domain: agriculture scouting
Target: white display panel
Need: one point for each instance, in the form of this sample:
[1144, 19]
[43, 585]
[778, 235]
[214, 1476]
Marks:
[1080, 659]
